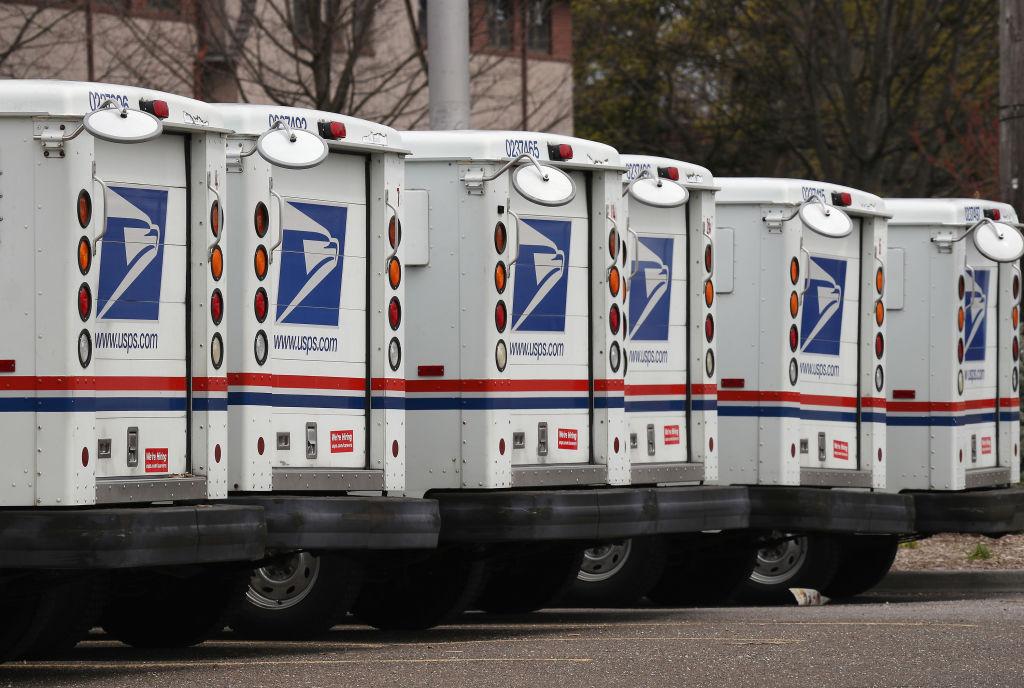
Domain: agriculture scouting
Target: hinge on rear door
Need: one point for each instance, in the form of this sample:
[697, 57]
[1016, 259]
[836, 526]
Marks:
[944, 242]
[233, 162]
[474, 181]
[52, 136]
[774, 220]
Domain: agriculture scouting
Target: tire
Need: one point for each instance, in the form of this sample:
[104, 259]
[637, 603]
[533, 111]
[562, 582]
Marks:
[529, 579]
[172, 608]
[297, 597]
[864, 560]
[803, 561]
[71, 608]
[707, 571]
[421, 591]
[619, 574]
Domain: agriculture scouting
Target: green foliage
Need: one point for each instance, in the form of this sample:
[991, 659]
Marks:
[981, 552]
[894, 96]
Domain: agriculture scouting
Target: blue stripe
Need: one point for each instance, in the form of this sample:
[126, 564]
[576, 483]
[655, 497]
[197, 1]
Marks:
[388, 402]
[678, 404]
[495, 403]
[704, 405]
[295, 400]
[945, 421]
[799, 413]
[90, 404]
[1009, 415]
[609, 402]
[209, 404]
[759, 411]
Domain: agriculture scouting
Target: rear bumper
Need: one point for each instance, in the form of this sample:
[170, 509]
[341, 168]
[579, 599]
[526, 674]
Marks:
[985, 512]
[493, 516]
[343, 522]
[102, 538]
[811, 509]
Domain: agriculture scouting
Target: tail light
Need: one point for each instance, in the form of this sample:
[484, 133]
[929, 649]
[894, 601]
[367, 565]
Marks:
[841, 198]
[614, 356]
[500, 355]
[394, 313]
[260, 263]
[500, 277]
[331, 131]
[880, 378]
[960, 287]
[794, 338]
[993, 213]
[709, 293]
[216, 263]
[394, 232]
[960, 382]
[84, 207]
[216, 306]
[84, 255]
[394, 272]
[708, 257]
[613, 280]
[614, 319]
[709, 327]
[794, 304]
[1016, 286]
[394, 353]
[217, 350]
[792, 371]
[84, 348]
[960, 319]
[1016, 349]
[960, 350]
[500, 237]
[260, 347]
[157, 108]
[261, 304]
[879, 281]
[709, 363]
[879, 312]
[561, 151]
[669, 173]
[1015, 317]
[500, 316]
[794, 270]
[879, 345]
[613, 244]
[85, 457]
[215, 218]
[84, 302]
[261, 219]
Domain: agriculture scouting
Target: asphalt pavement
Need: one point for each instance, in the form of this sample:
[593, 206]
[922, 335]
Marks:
[931, 631]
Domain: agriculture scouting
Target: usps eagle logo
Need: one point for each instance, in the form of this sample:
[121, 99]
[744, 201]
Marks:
[312, 250]
[541, 276]
[821, 326]
[976, 306]
[649, 289]
[132, 258]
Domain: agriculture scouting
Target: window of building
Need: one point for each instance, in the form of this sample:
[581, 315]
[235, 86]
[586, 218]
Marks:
[538, 28]
[499, 23]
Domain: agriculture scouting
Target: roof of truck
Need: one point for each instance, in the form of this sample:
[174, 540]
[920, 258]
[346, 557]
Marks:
[792, 192]
[941, 211]
[252, 120]
[691, 176]
[47, 97]
[488, 146]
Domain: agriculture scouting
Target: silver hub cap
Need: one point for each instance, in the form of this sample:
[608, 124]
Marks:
[284, 583]
[602, 562]
[780, 562]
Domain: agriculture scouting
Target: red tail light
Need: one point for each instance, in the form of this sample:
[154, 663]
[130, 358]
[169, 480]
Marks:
[993, 214]
[217, 306]
[960, 350]
[794, 338]
[613, 319]
[500, 316]
[1016, 349]
[84, 302]
[261, 304]
[331, 130]
[669, 173]
[261, 219]
[84, 208]
[394, 313]
[157, 108]
[561, 151]
[707, 257]
[709, 327]
[879, 345]
[841, 198]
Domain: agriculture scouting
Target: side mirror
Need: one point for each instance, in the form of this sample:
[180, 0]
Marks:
[826, 220]
[294, 149]
[117, 124]
[998, 241]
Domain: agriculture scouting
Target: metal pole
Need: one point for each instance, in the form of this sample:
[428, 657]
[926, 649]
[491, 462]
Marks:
[89, 59]
[1011, 103]
[448, 63]
[524, 86]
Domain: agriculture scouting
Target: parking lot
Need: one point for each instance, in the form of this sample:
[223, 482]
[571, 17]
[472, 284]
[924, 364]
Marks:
[897, 636]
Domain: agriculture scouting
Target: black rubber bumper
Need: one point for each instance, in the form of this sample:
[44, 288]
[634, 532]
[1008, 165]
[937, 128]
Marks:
[114, 538]
[984, 512]
[591, 515]
[344, 522]
[813, 509]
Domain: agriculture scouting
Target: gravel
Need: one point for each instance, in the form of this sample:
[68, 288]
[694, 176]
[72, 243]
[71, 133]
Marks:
[961, 552]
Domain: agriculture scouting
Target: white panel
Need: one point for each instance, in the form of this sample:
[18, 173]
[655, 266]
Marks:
[416, 230]
[724, 237]
[894, 280]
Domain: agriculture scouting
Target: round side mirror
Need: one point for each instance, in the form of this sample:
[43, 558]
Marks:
[999, 241]
[658, 194]
[548, 186]
[295, 149]
[826, 220]
[122, 125]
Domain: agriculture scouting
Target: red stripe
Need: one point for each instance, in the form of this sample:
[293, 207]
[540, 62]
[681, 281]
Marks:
[1009, 402]
[705, 389]
[652, 390]
[297, 381]
[609, 385]
[210, 384]
[106, 383]
[952, 406]
[250, 380]
[828, 400]
[389, 384]
[873, 402]
[755, 395]
[499, 385]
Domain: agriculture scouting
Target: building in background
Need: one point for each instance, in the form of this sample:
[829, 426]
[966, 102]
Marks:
[360, 57]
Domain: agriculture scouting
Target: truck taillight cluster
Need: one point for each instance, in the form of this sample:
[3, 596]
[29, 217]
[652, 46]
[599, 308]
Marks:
[260, 266]
[794, 312]
[394, 269]
[83, 257]
[500, 282]
[879, 319]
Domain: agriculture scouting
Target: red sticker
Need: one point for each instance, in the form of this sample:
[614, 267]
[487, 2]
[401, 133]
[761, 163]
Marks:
[156, 460]
[568, 438]
[986, 445]
[840, 449]
[671, 434]
[341, 441]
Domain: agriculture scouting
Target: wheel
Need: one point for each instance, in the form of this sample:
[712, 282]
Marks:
[863, 562]
[618, 573]
[70, 608]
[703, 571]
[807, 561]
[421, 591]
[172, 608]
[530, 579]
[298, 596]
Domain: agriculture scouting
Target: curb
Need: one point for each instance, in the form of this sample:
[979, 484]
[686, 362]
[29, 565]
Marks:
[951, 581]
